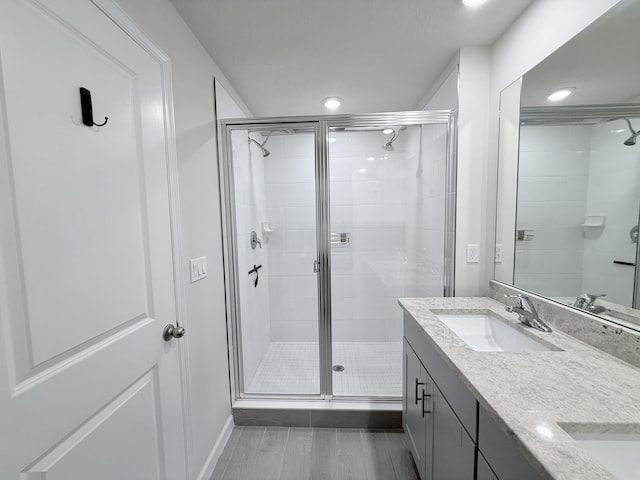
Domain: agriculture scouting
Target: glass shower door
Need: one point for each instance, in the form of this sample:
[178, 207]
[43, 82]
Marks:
[387, 234]
[275, 225]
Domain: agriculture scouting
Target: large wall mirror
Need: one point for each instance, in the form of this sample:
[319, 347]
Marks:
[569, 172]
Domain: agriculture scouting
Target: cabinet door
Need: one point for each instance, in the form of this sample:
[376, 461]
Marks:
[453, 449]
[484, 470]
[415, 419]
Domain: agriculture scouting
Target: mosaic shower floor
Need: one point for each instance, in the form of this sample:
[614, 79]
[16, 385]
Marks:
[370, 369]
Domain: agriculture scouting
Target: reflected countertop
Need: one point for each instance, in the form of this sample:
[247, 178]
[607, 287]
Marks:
[531, 394]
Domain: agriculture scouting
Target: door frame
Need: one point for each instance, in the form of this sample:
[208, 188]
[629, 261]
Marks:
[322, 125]
[119, 16]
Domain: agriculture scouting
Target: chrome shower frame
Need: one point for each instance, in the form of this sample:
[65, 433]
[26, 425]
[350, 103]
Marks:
[320, 126]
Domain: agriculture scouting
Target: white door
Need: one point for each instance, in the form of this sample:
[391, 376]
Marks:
[89, 390]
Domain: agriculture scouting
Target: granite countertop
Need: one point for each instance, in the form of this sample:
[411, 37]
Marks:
[530, 395]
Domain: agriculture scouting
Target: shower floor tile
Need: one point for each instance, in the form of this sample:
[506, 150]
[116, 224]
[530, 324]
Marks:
[370, 369]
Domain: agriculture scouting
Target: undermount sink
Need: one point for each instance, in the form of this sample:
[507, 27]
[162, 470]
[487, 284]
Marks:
[485, 333]
[618, 452]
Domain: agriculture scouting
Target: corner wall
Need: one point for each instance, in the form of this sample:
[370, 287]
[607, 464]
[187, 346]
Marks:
[206, 339]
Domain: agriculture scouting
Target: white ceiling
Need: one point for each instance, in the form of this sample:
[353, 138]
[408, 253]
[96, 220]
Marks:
[284, 56]
[602, 62]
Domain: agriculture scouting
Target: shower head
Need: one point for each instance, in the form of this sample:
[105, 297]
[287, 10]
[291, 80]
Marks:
[389, 145]
[265, 152]
[631, 141]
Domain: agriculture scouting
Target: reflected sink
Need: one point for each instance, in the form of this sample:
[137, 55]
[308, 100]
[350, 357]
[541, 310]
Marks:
[618, 452]
[485, 333]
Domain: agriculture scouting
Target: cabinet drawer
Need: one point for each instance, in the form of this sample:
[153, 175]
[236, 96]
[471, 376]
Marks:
[459, 397]
[506, 460]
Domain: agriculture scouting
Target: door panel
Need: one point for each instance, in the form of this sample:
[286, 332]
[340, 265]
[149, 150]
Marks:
[86, 259]
[133, 419]
[274, 181]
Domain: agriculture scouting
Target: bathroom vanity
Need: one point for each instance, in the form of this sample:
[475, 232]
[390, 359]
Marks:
[507, 401]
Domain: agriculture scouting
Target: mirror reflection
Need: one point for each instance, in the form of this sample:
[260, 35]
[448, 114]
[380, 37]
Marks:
[569, 173]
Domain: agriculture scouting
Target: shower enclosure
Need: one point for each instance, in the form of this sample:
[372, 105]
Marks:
[327, 221]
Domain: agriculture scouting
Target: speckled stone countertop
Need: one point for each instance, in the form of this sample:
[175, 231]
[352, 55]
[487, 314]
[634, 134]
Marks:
[531, 395]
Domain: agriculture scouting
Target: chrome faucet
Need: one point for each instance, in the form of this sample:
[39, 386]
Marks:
[587, 301]
[527, 312]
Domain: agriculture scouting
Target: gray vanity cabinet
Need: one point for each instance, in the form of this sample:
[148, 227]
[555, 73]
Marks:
[484, 470]
[453, 449]
[416, 421]
[441, 447]
[452, 437]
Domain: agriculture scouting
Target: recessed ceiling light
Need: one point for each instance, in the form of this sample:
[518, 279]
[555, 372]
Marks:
[387, 131]
[473, 3]
[561, 94]
[332, 103]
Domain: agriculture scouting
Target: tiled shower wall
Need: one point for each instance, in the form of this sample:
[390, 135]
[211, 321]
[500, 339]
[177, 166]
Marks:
[552, 194]
[250, 211]
[424, 211]
[367, 204]
[614, 176]
[567, 173]
[391, 204]
[290, 211]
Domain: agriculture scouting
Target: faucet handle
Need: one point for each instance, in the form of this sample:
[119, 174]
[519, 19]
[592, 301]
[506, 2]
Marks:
[519, 298]
[592, 297]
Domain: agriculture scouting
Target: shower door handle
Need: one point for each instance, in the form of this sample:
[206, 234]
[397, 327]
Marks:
[316, 266]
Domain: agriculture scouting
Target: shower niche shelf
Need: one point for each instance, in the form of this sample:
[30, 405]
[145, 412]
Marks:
[594, 221]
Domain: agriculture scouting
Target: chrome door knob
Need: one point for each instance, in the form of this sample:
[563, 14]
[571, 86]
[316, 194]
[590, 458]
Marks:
[173, 331]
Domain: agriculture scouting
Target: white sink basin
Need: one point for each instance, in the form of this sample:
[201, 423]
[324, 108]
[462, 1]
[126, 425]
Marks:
[618, 452]
[485, 333]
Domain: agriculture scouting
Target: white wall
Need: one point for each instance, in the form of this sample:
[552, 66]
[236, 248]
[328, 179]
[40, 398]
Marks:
[540, 30]
[206, 339]
[472, 210]
[552, 199]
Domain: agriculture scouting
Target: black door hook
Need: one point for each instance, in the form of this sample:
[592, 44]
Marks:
[255, 270]
[87, 109]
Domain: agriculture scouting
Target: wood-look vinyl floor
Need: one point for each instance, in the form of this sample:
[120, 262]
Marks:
[287, 453]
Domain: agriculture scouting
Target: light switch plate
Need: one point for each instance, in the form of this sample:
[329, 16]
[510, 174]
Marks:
[473, 253]
[198, 268]
[498, 253]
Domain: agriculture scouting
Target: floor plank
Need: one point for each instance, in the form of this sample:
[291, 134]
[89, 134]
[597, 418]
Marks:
[226, 454]
[268, 464]
[349, 462]
[377, 456]
[243, 461]
[401, 456]
[323, 454]
[296, 463]
[283, 453]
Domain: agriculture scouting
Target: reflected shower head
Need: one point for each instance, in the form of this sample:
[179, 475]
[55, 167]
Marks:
[631, 141]
[265, 152]
[389, 145]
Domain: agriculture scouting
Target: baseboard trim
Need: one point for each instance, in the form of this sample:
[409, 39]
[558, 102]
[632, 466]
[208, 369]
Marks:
[214, 456]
